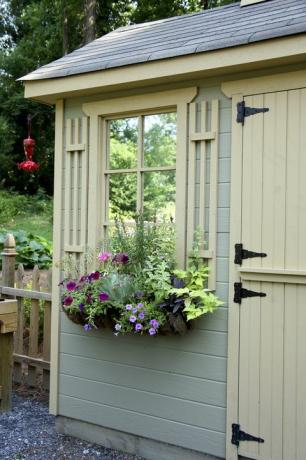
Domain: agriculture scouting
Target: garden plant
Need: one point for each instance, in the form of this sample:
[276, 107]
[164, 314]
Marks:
[137, 287]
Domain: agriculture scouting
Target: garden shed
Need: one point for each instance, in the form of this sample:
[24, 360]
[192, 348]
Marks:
[230, 85]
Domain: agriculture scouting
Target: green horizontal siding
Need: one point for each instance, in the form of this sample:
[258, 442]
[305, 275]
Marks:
[180, 434]
[172, 389]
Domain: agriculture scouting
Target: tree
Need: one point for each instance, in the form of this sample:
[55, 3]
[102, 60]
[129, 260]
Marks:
[36, 32]
[90, 21]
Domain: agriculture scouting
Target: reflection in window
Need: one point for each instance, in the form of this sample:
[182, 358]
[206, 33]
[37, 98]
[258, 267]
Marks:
[140, 169]
[123, 136]
[160, 139]
[159, 195]
[122, 196]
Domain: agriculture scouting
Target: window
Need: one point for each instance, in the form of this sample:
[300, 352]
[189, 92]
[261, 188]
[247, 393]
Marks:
[140, 167]
[159, 178]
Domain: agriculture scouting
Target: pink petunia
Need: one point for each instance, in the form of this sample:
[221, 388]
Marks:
[104, 256]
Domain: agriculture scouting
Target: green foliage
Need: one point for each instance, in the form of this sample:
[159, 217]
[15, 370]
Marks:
[13, 205]
[142, 241]
[157, 278]
[31, 249]
[197, 299]
[140, 270]
[32, 34]
[33, 214]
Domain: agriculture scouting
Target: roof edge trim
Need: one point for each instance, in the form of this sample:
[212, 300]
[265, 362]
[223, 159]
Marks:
[49, 90]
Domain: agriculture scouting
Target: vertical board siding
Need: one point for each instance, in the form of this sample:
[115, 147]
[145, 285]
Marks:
[172, 389]
[272, 358]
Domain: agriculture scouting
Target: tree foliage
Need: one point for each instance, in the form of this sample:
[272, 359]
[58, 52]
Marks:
[36, 32]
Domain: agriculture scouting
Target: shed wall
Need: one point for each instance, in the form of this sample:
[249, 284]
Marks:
[172, 389]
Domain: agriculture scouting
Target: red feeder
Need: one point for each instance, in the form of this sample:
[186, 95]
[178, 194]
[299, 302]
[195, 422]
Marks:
[28, 145]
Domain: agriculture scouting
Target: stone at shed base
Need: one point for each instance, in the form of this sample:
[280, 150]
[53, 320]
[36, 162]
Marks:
[118, 440]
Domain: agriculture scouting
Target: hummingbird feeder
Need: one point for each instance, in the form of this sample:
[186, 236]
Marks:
[28, 146]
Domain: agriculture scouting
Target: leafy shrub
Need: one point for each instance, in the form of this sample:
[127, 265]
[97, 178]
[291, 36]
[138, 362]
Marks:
[31, 249]
[11, 206]
[14, 205]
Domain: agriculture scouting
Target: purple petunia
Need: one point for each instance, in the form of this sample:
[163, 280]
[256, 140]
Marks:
[68, 301]
[135, 310]
[81, 307]
[133, 319]
[83, 279]
[138, 327]
[118, 327]
[128, 307]
[103, 296]
[140, 305]
[87, 327]
[141, 315]
[154, 323]
[94, 276]
[71, 285]
[152, 331]
[104, 256]
[121, 258]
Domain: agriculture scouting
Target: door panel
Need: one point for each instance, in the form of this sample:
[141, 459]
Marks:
[272, 356]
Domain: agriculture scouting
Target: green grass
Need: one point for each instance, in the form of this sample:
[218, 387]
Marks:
[33, 214]
[36, 224]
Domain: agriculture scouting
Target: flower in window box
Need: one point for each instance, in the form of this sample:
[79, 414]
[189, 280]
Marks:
[104, 256]
[103, 296]
[121, 258]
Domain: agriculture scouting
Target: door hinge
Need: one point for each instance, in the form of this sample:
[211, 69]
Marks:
[243, 111]
[238, 435]
[242, 254]
[242, 293]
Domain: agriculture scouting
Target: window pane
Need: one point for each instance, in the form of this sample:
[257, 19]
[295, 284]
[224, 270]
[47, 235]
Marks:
[159, 195]
[123, 134]
[122, 196]
[160, 139]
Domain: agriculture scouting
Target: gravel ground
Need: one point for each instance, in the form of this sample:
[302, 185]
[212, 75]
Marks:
[28, 432]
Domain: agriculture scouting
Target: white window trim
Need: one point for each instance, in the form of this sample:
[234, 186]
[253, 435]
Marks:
[98, 111]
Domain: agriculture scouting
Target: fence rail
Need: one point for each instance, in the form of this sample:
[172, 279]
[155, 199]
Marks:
[32, 338]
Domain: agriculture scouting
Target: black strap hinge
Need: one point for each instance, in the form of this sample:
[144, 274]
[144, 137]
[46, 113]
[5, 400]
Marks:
[239, 435]
[243, 111]
[242, 254]
[242, 293]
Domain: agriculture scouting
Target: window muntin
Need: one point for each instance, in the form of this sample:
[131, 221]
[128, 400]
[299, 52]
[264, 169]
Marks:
[140, 173]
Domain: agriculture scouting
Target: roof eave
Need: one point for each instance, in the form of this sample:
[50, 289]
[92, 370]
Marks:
[284, 50]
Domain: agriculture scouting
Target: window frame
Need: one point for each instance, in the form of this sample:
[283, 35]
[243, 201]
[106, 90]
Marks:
[140, 168]
[99, 113]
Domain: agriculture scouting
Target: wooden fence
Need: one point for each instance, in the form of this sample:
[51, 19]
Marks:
[32, 339]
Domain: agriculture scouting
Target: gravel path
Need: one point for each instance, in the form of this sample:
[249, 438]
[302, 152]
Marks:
[28, 432]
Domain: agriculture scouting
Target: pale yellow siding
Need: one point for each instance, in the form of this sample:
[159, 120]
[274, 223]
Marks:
[271, 359]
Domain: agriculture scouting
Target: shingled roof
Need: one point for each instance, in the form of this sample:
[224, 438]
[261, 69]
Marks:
[209, 30]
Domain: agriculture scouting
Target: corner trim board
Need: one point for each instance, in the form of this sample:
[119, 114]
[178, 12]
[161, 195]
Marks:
[55, 311]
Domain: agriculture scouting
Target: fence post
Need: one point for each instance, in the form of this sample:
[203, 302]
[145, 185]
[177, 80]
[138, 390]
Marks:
[8, 262]
[7, 340]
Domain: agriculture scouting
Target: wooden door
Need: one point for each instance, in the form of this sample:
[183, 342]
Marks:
[272, 346]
